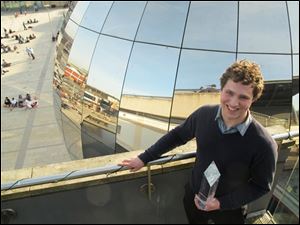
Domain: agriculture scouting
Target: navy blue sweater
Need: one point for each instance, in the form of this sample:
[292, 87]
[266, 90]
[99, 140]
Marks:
[246, 163]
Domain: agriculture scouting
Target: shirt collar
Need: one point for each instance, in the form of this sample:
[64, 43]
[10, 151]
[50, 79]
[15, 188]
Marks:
[241, 128]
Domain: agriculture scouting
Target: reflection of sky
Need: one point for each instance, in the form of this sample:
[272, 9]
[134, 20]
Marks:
[79, 10]
[124, 18]
[294, 20]
[263, 27]
[166, 18]
[108, 65]
[151, 71]
[95, 15]
[200, 69]
[273, 67]
[71, 29]
[219, 33]
[83, 48]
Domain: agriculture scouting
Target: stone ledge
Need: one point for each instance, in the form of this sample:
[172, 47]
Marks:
[59, 168]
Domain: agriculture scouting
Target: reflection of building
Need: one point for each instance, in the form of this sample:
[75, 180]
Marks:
[147, 68]
[74, 75]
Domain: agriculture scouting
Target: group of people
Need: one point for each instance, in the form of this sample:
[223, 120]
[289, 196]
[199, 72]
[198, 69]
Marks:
[6, 34]
[21, 40]
[7, 48]
[30, 21]
[21, 102]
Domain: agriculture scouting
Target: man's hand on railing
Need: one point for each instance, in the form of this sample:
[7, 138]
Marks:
[134, 164]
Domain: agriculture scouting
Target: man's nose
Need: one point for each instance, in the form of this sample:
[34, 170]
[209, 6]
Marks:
[234, 102]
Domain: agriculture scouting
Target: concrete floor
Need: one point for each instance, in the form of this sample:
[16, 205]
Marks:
[31, 137]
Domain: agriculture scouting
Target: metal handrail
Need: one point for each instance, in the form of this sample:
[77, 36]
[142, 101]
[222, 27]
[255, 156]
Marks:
[109, 169]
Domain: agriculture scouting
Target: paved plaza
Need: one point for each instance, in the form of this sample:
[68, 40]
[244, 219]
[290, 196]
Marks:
[30, 137]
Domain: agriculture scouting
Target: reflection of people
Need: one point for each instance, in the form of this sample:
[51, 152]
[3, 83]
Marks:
[227, 134]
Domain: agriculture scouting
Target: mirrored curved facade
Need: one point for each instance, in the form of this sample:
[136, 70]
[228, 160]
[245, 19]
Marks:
[128, 72]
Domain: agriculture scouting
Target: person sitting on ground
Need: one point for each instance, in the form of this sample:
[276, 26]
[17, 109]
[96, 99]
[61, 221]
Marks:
[20, 101]
[34, 103]
[28, 97]
[21, 40]
[35, 20]
[27, 104]
[13, 103]
[5, 64]
[32, 36]
[7, 102]
[3, 71]
[11, 31]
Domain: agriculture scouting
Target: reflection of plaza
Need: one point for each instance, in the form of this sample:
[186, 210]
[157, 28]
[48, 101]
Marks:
[100, 109]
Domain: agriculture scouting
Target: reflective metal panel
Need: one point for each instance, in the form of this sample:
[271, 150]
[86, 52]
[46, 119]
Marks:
[102, 93]
[198, 81]
[79, 11]
[163, 22]
[212, 25]
[108, 65]
[263, 27]
[63, 50]
[295, 65]
[293, 7]
[95, 15]
[124, 18]
[274, 67]
[295, 106]
[72, 137]
[146, 99]
[70, 131]
[96, 141]
[75, 74]
[274, 107]
[295, 100]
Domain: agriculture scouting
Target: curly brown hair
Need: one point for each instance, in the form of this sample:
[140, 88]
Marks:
[246, 72]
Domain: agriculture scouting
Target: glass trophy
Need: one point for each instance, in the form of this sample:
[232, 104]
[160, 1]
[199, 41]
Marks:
[209, 184]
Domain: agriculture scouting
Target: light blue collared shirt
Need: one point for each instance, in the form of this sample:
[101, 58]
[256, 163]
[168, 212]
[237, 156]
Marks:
[241, 128]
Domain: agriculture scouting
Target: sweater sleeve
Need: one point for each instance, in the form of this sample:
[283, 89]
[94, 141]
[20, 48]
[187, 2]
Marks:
[262, 175]
[176, 137]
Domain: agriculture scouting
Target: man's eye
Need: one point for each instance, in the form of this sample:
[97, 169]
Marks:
[244, 98]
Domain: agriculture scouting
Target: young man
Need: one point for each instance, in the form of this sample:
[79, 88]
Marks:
[227, 134]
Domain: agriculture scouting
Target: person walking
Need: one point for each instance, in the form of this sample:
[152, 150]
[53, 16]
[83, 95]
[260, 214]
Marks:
[30, 52]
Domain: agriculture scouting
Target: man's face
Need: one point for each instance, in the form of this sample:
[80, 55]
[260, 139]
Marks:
[236, 100]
